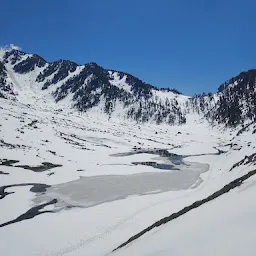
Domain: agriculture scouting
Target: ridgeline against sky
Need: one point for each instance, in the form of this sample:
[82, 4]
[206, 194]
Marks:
[191, 45]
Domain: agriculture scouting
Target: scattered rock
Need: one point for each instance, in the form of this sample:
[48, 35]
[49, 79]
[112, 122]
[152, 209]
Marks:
[4, 173]
[52, 152]
[31, 213]
[7, 162]
[41, 168]
[33, 122]
[245, 161]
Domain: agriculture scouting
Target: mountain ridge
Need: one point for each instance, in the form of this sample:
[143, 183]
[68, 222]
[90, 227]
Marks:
[90, 87]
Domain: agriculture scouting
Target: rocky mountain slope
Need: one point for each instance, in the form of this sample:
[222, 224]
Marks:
[91, 88]
[233, 104]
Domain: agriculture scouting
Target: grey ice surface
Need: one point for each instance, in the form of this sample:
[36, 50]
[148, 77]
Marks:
[94, 190]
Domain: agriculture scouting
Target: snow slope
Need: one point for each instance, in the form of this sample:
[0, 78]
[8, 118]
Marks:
[90, 147]
[82, 183]
[225, 226]
[91, 88]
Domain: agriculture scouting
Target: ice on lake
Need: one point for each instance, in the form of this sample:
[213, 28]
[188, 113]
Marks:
[94, 190]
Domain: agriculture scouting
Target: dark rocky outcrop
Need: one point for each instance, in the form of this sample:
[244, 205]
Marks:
[31, 213]
[245, 161]
[36, 188]
[29, 64]
[5, 87]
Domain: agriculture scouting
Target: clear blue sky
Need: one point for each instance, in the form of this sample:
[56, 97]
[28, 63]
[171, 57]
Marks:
[192, 45]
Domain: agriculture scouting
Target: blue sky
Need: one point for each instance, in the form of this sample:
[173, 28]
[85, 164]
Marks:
[191, 45]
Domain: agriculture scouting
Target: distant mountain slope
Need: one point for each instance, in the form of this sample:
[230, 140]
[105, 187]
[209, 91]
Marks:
[233, 104]
[6, 86]
[91, 88]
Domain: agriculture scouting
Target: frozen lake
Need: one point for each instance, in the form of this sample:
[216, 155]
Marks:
[94, 190]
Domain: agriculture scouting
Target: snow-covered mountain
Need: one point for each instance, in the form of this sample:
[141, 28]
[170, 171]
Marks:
[91, 88]
[83, 173]
[233, 104]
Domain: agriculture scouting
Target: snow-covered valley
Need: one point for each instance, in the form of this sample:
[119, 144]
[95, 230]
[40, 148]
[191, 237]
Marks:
[103, 198]
[82, 183]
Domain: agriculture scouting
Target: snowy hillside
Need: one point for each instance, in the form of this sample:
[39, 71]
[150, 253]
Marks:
[91, 88]
[96, 182]
[94, 90]
[233, 104]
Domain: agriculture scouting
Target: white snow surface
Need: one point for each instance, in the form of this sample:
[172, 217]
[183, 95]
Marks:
[225, 226]
[121, 198]
[93, 145]
[25, 84]
[119, 82]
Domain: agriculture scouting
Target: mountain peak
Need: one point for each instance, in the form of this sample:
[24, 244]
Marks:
[92, 64]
